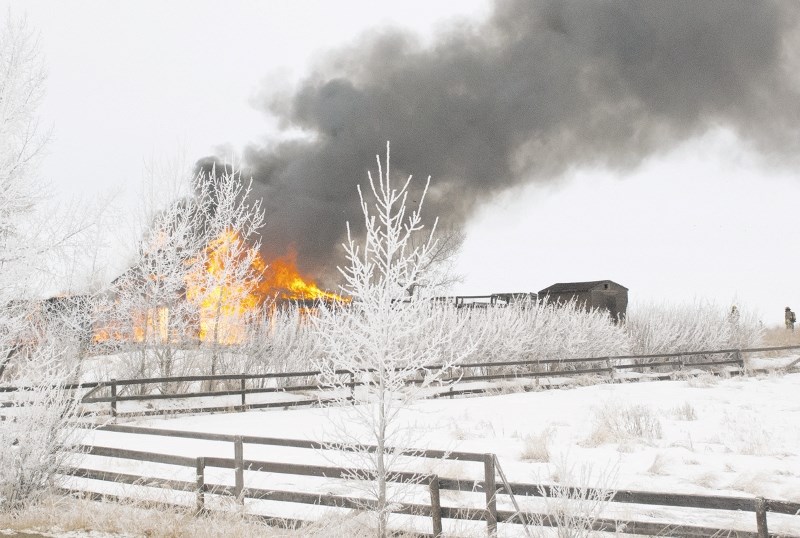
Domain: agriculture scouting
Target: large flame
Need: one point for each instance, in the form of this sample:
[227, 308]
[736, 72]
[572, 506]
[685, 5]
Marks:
[231, 284]
[283, 280]
[226, 299]
[225, 288]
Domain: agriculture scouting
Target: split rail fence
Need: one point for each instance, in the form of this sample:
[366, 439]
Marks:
[434, 509]
[310, 391]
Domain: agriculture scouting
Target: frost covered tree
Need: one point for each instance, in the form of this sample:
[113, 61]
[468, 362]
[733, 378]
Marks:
[384, 337]
[193, 271]
[21, 90]
[224, 285]
[148, 305]
[36, 427]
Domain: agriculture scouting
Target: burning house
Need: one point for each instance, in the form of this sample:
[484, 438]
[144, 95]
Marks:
[596, 294]
[200, 301]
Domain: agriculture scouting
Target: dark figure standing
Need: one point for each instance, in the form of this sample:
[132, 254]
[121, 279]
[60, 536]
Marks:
[789, 317]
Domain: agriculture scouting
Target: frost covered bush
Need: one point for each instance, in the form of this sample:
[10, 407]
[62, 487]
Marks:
[656, 328]
[278, 340]
[37, 431]
[576, 502]
[545, 330]
[616, 422]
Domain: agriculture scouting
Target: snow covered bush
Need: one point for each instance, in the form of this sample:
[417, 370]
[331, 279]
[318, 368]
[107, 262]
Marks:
[277, 340]
[616, 422]
[576, 501]
[654, 328]
[37, 430]
[533, 331]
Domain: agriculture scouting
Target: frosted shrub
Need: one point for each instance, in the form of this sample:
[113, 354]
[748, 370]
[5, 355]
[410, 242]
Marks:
[576, 502]
[689, 327]
[545, 330]
[36, 433]
[536, 446]
[616, 422]
[279, 340]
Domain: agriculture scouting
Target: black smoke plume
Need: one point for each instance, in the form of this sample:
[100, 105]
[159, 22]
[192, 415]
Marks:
[539, 87]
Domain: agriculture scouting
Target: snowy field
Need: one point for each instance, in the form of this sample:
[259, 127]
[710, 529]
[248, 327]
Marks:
[737, 436]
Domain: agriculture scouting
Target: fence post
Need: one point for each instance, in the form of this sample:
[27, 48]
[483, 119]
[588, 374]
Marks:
[114, 398]
[738, 356]
[436, 507]
[238, 456]
[610, 369]
[352, 386]
[242, 388]
[761, 517]
[201, 484]
[490, 489]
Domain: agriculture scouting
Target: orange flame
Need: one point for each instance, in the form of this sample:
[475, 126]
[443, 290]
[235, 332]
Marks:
[224, 305]
[283, 280]
[225, 300]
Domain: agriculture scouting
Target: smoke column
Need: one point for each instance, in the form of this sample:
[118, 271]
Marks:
[536, 89]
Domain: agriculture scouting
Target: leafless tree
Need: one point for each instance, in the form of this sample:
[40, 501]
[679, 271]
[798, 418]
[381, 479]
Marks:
[224, 285]
[384, 337]
[37, 422]
[192, 278]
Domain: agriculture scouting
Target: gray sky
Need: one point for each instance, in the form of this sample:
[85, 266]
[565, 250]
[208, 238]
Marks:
[671, 172]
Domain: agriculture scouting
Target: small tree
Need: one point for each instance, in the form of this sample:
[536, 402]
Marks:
[223, 285]
[149, 306]
[384, 336]
[194, 272]
[36, 425]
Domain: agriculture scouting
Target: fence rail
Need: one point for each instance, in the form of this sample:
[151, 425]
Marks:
[432, 482]
[113, 392]
[463, 373]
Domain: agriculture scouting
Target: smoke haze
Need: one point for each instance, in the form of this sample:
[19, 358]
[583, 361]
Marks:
[538, 88]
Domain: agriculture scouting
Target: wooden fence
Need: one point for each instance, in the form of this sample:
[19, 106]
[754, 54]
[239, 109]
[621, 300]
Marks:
[659, 366]
[116, 391]
[434, 484]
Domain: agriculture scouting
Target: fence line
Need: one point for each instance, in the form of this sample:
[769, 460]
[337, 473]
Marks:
[434, 484]
[521, 369]
[459, 375]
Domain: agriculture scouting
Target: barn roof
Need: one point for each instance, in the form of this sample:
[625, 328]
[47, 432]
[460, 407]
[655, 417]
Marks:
[577, 287]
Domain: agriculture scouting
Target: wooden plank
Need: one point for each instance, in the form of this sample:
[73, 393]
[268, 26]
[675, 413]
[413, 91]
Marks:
[298, 443]
[783, 507]
[711, 363]
[238, 456]
[200, 485]
[131, 479]
[524, 375]
[644, 365]
[711, 502]
[137, 455]
[338, 501]
[332, 471]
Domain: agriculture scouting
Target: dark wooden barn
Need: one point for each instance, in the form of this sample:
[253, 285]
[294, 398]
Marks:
[597, 294]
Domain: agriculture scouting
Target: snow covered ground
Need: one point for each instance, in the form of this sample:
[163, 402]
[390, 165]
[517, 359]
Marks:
[738, 436]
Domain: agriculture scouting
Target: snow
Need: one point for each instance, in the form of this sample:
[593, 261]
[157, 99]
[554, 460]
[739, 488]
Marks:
[743, 442]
